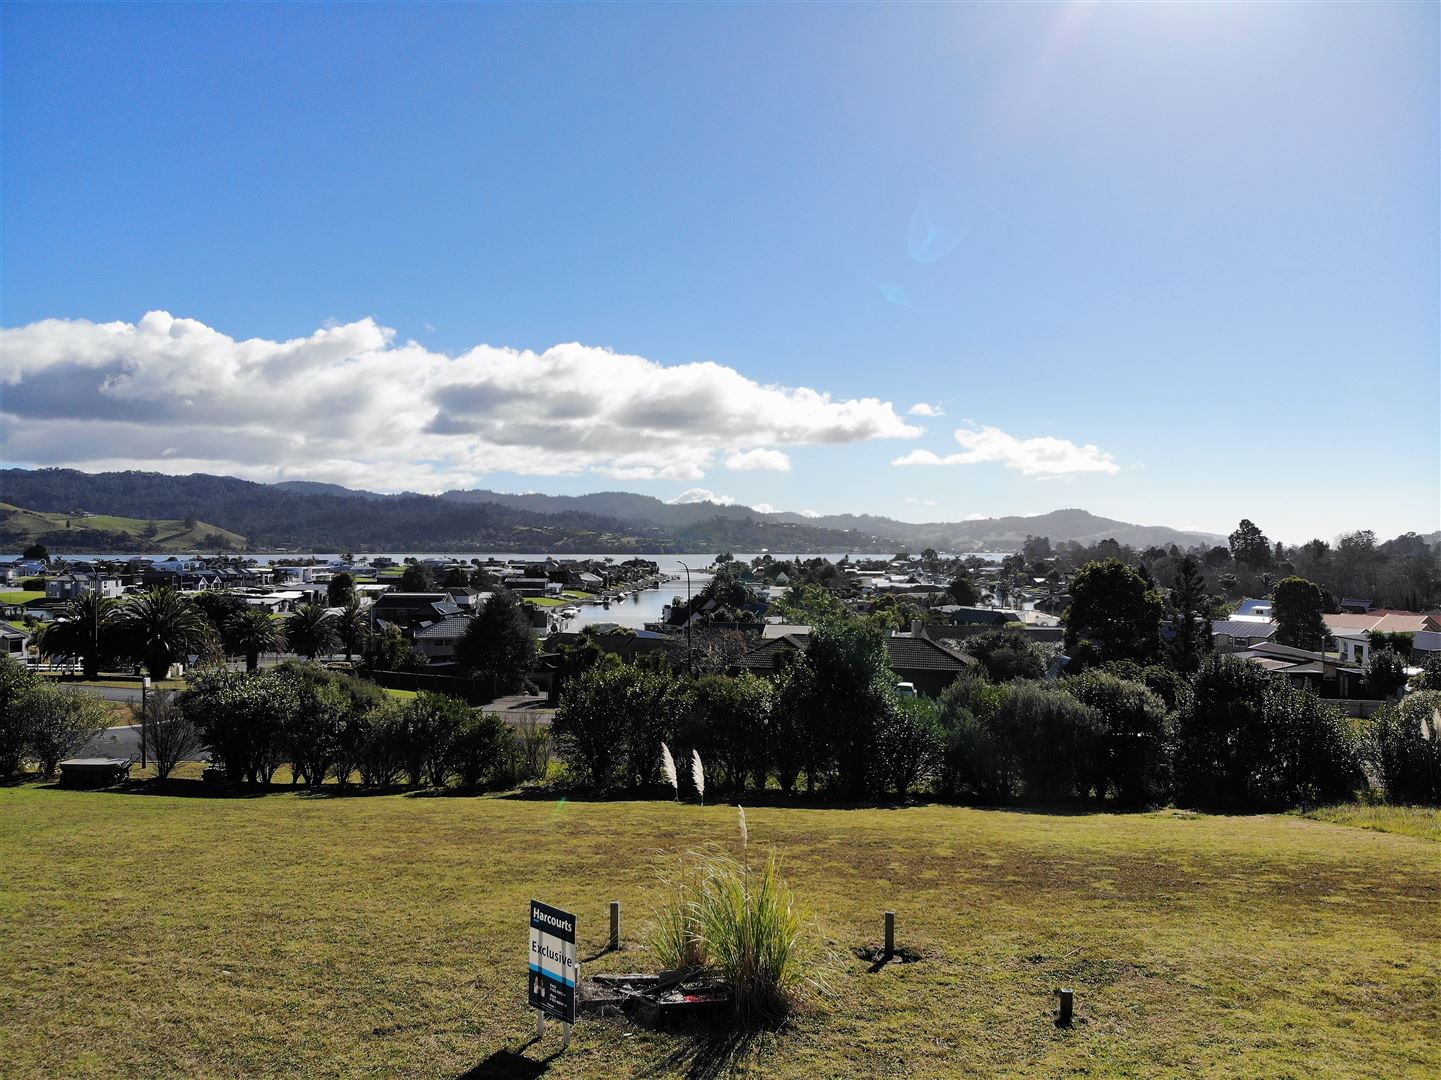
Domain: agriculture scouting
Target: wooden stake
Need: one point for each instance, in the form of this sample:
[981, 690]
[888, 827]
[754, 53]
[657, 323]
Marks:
[1067, 1007]
[890, 934]
[614, 925]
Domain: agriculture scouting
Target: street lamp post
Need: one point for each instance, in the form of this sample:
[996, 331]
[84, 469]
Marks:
[144, 701]
[689, 614]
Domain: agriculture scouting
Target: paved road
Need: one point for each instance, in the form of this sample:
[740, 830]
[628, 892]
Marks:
[115, 693]
[123, 742]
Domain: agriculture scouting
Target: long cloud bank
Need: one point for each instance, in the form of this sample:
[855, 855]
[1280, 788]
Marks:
[1042, 456]
[350, 405]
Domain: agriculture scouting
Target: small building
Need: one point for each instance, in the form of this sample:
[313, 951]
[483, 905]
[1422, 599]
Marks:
[438, 640]
[71, 586]
[1236, 633]
[14, 642]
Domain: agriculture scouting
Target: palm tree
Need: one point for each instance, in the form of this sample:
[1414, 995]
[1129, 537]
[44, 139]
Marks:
[352, 624]
[311, 631]
[252, 632]
[160, 626]
[84, 630]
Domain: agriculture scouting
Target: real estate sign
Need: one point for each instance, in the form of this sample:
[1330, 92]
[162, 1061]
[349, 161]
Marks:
[552, 961]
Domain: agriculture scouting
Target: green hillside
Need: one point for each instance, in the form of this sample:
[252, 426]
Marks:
[108, 532]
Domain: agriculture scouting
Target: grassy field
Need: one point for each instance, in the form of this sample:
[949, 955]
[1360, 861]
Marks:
[21, 596]
[1419, 821]
[288, 935]
[23, 526]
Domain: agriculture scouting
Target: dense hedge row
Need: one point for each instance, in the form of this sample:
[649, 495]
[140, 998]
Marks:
[325, 725]
[1232, 738]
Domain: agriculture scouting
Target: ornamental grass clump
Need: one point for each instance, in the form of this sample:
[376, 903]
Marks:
[752, 934]
[740, 923]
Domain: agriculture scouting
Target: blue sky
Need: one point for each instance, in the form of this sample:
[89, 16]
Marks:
[1172, 263]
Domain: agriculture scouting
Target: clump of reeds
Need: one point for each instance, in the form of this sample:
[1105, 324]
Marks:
[740, 922]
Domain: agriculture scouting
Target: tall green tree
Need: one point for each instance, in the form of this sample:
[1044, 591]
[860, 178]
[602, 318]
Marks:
[85, 630]
[311, 631]
[1249, 545]
[963, 590]
[1296, 605]
[161, 627]
[352, 625]
[499, 640]
[251, 632]
[1113, 608]
[1189, 609]
[340, 589]
[417, 578]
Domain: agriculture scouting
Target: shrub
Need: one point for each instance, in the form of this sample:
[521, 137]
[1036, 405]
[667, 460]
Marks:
[240, 718]
[1052, 738]
[611, 722]
[1385, 673]
[1006, 654]
[1128, 755]
[1402, 747]
[432, 722]
[479, 749]
[973, 762]
[14, 725]
[1430, 675]
[909, 743]
[170, 736]
[729, 717]
[60, 721]
[375, 744]
[1250, 742]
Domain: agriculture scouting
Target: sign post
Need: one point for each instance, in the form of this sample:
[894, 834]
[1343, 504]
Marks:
[554, 972]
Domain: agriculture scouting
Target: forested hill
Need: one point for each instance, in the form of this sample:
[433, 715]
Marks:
[983, 534]
[272, 517]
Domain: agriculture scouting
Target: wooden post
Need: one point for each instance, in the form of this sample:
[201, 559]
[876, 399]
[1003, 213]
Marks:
[565, 1039]
[890, 933]
[1067, 1007]
[539, 1024]
[614, 925]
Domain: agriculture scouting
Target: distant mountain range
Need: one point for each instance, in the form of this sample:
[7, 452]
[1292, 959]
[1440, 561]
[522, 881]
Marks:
[303, 515]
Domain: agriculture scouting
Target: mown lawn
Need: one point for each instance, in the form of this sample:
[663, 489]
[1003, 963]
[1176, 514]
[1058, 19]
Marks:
[286, 935]
[21, 596]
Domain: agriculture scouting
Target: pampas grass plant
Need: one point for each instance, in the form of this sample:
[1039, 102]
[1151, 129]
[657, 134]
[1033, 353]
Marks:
[667, 767]
[743, 924]
[697, 775]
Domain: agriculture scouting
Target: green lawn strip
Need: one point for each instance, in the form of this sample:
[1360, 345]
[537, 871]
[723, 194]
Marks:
[21, 596]
[386, 936]
[404, 695]
[1419, 821]
[124, 683]
[579, 594]
[544, 601]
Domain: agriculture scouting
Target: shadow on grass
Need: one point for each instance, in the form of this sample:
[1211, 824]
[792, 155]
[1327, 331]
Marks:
[706, 1055]
[509, 1064]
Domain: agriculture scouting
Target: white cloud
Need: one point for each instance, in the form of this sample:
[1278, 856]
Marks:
[701, 495]
[764, 508]
[810, 513]
[921, 408]
[1041, 456]
[922, 502]
[975, 517]
[759, 458]
[351, 405]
